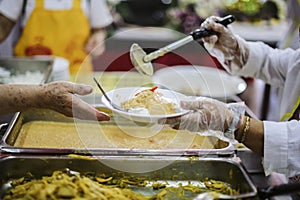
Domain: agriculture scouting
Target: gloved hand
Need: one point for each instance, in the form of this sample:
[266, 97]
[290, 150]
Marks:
[95, 44]
[61, 97]
[232, 46]
[209, 115]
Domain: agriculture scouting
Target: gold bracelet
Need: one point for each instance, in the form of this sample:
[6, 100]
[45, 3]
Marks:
[246, 129]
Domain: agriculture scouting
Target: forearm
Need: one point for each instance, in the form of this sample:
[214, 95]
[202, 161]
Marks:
[95, 44]
[15, 98]
[6, 26]
[267, 64]
[59, 96]
[94, 30]
[253, 136]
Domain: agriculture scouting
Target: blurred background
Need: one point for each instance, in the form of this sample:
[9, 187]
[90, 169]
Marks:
[156, 23]
[162, 21]
[186, 15]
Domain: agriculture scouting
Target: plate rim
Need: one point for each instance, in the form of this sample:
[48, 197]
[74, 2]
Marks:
[221, 73]
[138, 115]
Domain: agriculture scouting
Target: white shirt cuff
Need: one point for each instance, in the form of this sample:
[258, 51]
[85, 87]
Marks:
[275, 147]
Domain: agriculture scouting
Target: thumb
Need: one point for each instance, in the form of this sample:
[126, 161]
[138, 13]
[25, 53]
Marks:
[82, 89]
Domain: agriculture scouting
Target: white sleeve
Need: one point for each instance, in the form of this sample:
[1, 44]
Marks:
[268, 64]
[281, 147]
[11, 8]
[100, 15]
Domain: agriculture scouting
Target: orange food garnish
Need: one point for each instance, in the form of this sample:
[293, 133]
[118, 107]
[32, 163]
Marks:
[152, 90]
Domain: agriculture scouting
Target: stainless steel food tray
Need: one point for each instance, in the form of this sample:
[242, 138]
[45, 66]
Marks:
[174, 171]
[220, 148]
[21, 65]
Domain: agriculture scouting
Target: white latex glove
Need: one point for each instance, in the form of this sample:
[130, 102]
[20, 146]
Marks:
[209, 115]
[233, 47]
[95, 45]
[61, 97]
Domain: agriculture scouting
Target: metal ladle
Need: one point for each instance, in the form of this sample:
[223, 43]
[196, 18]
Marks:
[142, 62]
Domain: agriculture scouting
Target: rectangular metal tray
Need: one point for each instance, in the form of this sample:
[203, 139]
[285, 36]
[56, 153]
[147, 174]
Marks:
[173, 170]
[209, 145]
[21, 65]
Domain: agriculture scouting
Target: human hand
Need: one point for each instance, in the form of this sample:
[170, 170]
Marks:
[208, 114]
[95, 45]
[61, 97]
[232, 46]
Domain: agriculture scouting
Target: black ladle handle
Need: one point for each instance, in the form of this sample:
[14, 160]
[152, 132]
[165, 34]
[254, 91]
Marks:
[279, 190]
[200, 33]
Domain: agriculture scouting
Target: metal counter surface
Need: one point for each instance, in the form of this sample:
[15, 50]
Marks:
[250, 161]
[175, 171]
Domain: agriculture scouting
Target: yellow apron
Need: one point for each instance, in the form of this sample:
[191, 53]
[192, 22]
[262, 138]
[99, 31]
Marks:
[57, 32]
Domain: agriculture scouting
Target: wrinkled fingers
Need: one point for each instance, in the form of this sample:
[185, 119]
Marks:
[83, 110]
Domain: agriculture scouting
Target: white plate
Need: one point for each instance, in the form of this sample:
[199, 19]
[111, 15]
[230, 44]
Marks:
[199, 81]
[120, 95]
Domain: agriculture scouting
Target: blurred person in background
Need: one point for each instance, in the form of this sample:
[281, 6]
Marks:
[60, 96]
[291, 37]
[289, 40]
[70, 28]
[280, 68]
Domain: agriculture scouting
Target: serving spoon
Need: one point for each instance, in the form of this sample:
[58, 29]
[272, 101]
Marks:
[142, 62]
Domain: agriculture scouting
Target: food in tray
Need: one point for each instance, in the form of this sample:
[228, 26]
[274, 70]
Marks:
[73, 185]
[6, 77]
[150, 101]
[64, 186]
[4, 72]
[47, 134]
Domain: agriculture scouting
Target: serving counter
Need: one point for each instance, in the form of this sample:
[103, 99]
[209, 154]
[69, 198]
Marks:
[44, 160]
[251, 162]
